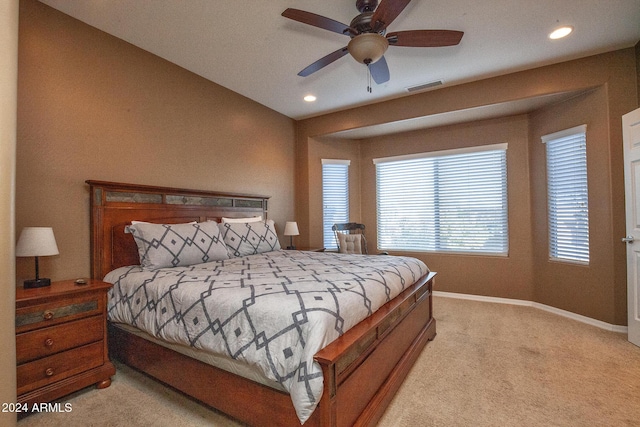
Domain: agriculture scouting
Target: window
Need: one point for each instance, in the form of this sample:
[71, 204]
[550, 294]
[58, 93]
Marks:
[446, 201]
[335, 197]
[567, 195]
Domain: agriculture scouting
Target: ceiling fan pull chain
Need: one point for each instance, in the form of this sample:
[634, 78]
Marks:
[369, 89]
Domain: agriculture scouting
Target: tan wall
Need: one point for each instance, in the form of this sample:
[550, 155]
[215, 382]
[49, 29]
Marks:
[8, 95]
[91, 106]
[638, 70]
[614, 74]
[590, 290]
[510, 276]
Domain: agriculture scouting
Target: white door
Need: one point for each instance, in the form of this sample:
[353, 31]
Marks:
[631, 133]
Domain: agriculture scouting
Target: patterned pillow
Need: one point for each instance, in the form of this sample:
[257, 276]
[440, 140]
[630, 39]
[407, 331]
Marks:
[249, 238]
[171, 245]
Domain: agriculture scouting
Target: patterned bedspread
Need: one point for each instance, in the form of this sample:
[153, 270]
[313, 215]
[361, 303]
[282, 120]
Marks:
[274, 310]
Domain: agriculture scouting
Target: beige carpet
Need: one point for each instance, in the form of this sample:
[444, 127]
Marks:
[490, 365]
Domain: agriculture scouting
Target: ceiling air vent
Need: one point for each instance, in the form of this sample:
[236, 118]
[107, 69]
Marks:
[424, 86]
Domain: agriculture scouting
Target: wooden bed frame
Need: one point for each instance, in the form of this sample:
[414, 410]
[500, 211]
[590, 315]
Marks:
[362, 369]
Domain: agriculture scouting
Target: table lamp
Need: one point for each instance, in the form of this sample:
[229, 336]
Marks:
[291, 229]
[35, 242]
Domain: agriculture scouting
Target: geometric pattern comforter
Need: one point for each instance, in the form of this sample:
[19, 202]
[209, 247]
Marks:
[273, 310]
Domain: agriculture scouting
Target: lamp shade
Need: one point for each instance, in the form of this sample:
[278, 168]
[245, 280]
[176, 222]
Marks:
[367, 48]
[36, 241]
[291, 229]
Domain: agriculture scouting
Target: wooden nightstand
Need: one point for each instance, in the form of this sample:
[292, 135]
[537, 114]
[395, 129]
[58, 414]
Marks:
[61, 340]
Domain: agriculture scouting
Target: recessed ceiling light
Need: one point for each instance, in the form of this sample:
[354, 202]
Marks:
[560, 32]
[309, 98]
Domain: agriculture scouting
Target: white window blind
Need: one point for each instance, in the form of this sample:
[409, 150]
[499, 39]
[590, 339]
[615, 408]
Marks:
[335, 197]
[447, 201]
[567, 194]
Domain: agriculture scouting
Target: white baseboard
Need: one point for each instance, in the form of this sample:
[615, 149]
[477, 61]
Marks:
[580, 318]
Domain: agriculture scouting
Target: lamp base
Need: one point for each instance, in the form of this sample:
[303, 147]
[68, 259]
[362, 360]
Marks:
[36, 283]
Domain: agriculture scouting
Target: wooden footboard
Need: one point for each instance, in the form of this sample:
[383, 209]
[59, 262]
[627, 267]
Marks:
[364, 368]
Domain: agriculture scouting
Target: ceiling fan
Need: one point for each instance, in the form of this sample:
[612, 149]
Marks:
[369, 39]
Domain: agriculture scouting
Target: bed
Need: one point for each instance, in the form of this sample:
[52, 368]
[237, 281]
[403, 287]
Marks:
[359, 370]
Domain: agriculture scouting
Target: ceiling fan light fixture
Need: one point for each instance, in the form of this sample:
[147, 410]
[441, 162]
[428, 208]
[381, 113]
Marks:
[367, 48]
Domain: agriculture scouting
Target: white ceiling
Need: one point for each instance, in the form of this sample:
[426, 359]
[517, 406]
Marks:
[248, 47]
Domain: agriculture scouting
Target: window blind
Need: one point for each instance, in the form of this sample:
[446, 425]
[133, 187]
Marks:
[448, 201]
[567, 195]
[335, 197]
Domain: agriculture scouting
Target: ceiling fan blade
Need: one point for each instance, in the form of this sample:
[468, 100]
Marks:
[316, 20]
[387, 11]
[379, 71]
[425, 38]
[323, 62]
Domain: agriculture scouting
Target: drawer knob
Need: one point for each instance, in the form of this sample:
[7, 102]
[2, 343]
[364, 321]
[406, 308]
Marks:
[48, 342]
[49, 372]
[48, 315]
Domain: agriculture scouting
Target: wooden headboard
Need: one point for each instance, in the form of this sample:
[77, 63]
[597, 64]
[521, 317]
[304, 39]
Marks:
[115, 205]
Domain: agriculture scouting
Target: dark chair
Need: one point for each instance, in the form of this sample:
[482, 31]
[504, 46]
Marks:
[350, 238]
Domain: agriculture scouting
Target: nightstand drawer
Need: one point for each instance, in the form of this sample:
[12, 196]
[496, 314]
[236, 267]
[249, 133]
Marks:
[58, 311]
[54, 339]
[50, 369]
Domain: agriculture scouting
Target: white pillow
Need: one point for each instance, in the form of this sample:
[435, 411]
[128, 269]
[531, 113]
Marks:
[134, 222]
[171, 245]
[237, 220]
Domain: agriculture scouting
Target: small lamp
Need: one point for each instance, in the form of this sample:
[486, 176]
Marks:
[35, 242]
[291, 229]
